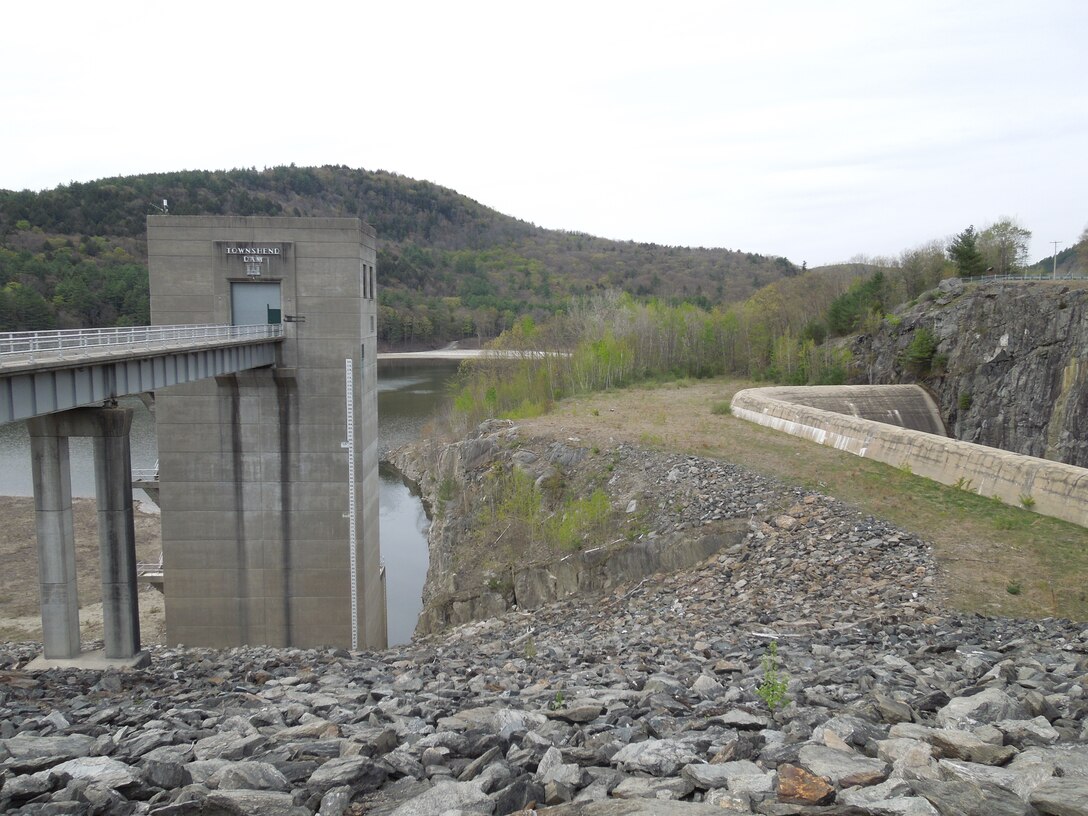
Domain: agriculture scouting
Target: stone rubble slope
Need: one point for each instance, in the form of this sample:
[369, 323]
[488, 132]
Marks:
[642, 701]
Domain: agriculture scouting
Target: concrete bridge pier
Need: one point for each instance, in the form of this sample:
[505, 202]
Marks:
[49, 434]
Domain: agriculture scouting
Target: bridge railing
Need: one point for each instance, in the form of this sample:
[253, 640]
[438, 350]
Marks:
[74, 343]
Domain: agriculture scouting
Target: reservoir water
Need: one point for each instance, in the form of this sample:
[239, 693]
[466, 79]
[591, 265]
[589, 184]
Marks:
[408, 395]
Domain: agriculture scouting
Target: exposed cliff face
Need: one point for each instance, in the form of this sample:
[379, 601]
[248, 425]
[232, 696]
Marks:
[659, 513]
[1010, 369]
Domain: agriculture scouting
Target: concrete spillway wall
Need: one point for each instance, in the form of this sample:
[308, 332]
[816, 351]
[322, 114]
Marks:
[1056, 489]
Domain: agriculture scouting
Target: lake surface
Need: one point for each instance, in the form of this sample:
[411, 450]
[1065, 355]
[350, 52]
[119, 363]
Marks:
[15, 476]
[408, 395]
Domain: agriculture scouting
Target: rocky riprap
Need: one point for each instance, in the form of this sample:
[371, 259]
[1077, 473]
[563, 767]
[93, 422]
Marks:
[641, 701]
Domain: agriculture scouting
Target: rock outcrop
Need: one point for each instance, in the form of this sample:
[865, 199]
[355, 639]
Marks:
[1010, 369]
[676, 511]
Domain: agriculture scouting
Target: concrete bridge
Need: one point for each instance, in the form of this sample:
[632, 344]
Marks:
[49, 371]
[51, 379]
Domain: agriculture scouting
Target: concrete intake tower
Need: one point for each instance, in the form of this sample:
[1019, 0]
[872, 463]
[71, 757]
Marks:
[254, 466]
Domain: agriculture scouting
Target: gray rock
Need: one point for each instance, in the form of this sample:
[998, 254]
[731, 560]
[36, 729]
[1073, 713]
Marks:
[98, 798]
[872, 795]
[635, 807]
[1067, 796]
[910, 759]
[473, 769]
[844, 769]
[706, 776]
[1068, 760]
[966, 746]
[753, 785]
[577, 714]
[27, 786]
[494, 719]
[227, 745]
[643, 787]
[167, 775]
[969, 798]
[602, 782]
[106, 771]
[892, 711]
[518, 795]
[31, 753]
[248, 776]
[904, 806]
[251, 803]
[459, 797]
[743, 720]
[361, 774]
[556, 793]
[201, 769]
[553, 769]
[954, 770]
[335, 801]
[729, 801]
[988, 706]
[657, 757]
[1025, 733]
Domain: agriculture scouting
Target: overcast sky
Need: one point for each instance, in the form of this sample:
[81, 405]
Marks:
[814, 130]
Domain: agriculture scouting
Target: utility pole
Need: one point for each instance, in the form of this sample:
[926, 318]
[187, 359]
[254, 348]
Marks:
[1054, 274]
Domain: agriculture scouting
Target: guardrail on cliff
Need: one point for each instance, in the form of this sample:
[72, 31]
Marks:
[1068, 276]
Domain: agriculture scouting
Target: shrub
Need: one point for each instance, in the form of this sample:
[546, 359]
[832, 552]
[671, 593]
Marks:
[918, 356]
[772, 690]
[579, 519]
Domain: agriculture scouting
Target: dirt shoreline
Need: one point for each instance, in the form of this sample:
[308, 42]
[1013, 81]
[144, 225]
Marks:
[20, 613]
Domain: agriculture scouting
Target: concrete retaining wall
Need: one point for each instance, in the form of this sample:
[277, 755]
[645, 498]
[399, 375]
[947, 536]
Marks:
[1058, 490]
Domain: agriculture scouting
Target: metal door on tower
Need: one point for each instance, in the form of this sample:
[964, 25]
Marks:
[254, 304]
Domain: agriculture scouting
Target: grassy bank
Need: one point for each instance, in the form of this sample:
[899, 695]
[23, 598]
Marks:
[995, 559]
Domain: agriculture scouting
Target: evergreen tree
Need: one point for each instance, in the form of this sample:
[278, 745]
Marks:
[965, 253]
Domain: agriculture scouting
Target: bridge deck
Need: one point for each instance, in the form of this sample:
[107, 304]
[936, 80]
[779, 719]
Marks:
[45, 372]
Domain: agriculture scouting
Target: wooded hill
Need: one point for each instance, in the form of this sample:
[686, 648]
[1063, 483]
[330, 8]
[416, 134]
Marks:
[449, 267]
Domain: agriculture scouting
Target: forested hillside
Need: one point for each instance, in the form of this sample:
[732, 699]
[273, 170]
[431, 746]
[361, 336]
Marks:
[449, 267]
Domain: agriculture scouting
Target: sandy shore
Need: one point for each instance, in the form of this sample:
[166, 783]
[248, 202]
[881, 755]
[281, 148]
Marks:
[20, 617]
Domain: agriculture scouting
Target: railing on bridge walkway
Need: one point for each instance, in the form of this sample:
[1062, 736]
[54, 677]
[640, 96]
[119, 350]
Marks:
[76, 343]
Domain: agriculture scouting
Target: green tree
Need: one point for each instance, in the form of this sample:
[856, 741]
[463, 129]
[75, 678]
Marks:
[917, 357]
[1004, 247]
[849, 310]
[965, 253]
[920, 269]
[29, 311]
